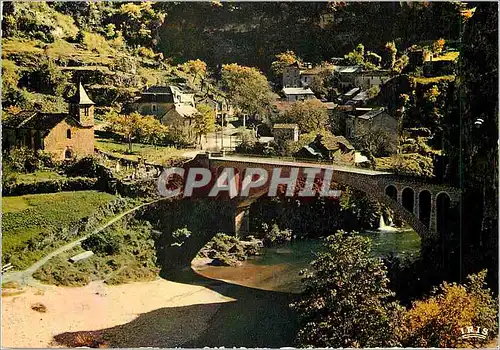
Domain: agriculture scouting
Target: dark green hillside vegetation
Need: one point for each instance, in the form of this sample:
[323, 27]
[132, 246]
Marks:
[47, 46]
[124, 252]
[33, 225]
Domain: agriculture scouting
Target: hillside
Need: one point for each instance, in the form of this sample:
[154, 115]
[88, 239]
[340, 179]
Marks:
[46, 51]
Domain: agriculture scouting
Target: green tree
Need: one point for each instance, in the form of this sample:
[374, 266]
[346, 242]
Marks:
[357, 56]
[204, 121]
[310, 115]
[248, 89]
[391, 51]
[346, 298]
[134, 125]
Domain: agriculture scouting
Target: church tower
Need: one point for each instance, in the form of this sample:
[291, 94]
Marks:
[81, 107]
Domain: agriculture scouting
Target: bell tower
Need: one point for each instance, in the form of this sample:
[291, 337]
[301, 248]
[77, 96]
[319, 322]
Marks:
[81, 107]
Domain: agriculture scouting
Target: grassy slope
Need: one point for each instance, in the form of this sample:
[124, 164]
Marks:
[154, 154]
[32, 217]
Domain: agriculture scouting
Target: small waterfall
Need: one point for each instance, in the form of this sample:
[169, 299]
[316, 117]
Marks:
[381, 224]
[383, 227]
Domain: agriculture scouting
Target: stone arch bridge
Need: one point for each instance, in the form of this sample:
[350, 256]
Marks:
[421, 204]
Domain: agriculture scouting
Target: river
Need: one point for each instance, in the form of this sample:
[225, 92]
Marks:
[264, 286]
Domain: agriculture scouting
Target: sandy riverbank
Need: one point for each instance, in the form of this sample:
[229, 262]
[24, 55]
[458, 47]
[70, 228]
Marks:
[118, 309]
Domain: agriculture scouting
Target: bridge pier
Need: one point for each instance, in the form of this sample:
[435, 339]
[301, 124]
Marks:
[433, 218]
[416, 204]
[241, 221]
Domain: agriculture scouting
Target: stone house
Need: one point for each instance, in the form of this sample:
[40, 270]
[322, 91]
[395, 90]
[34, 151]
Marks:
[300, 75]
[345, 76]
[298, 94]
[368, 79]
[286, 132]
[371, 120]
[291, 75]
[63, 135]
[158, 100]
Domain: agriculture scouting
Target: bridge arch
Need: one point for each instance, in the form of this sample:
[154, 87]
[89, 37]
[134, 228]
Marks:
[408, 199]
[392, 192]
[443, 205]
[424, 209]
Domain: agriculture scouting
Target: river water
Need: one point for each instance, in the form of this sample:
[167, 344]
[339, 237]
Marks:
[264, 286]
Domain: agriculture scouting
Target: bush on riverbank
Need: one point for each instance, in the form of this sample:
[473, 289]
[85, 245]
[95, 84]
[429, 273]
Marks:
[124, 252]
[225, 250]
[274, 235]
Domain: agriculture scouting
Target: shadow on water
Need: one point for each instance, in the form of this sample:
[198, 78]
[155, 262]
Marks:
[256, 318]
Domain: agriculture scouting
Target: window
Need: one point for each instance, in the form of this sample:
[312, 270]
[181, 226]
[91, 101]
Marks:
[68, 133]
[86, 111]
[68, 154]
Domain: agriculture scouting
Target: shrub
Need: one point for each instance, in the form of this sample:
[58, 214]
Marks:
[103, 243]
[436, 321]
[276, 236]
[23, 159]
[346, 302]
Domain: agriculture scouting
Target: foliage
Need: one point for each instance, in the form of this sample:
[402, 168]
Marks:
[274, 235]
[436, 321]
[438, 46]
[48, 78]
[23, 159]
[412, 164]
[135, 125]
[31, 224]
[10, 76]
[376, 140]
[281, 61]
[103, 243]
[310, 115]
[346, 302]
[248, 89]
[357, 56]
[204, 121]
[197, 68]
[139, 22]
[391, 50]
[125, 252]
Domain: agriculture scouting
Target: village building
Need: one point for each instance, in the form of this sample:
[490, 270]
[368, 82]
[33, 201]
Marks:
[291, 75]
[298, 94]
[158, 100]
[369, 120]
[62, 135]
[367, 79]
[286, 132]
[223, 110]
[301, 75]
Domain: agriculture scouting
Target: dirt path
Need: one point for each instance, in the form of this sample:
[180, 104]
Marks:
[25, 277]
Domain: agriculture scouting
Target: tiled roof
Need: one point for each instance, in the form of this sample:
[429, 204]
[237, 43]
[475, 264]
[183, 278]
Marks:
[158, 90]
[34, 120]
[352, 92]
[297, 91]
[346, 69]
[185, 110]
[372, 113]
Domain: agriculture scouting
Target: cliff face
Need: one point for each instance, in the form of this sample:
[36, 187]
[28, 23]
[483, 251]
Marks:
[252, 33]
